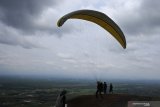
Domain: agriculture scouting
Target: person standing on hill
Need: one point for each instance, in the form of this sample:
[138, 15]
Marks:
[111, 88]
[63, 94]
[105, 88]
[99, 89]
[61, 99]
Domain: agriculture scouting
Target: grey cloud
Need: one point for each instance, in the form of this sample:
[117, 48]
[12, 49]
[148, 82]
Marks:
[16, 41]
[22, 14]
[19, 18]
[150, 11]
[10, 36]
[144, 19]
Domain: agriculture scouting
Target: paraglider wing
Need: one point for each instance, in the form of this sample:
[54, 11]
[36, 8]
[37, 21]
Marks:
[99, 18]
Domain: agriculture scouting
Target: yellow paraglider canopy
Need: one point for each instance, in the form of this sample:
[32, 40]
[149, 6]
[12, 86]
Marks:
[99, 18]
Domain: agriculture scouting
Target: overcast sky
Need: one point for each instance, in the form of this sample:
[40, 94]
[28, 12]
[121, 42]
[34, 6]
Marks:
[32, 44]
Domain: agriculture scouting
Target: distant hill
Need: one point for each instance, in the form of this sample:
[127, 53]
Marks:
[110, 100]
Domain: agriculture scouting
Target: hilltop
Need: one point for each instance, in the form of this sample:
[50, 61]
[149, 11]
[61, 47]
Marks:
[110, 100]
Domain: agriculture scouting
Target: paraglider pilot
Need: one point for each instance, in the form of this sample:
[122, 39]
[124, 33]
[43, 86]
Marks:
[99, 89]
